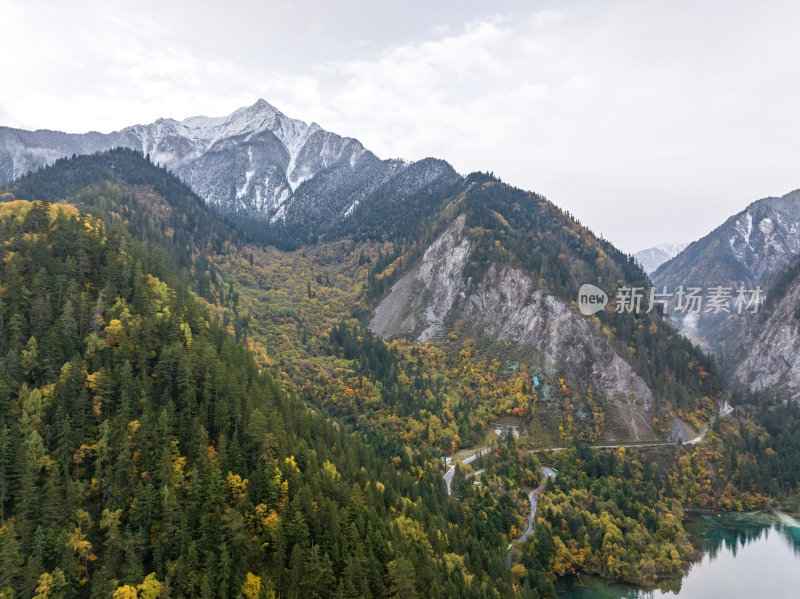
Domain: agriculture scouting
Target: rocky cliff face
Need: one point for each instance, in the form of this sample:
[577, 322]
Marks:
[765, 352]
[506, 305]
[420, 303]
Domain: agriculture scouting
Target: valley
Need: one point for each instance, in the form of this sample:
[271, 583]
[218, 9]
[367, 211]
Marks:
[379, 386]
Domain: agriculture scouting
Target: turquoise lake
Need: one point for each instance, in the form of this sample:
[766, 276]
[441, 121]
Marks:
[750, 555]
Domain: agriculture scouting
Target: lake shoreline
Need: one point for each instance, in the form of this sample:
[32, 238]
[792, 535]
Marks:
[734, 550]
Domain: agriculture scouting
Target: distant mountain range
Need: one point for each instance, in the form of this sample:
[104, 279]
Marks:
[653, 257]
[255, 165]
[150, 346]
[296, 184]
[744, 249]
[756, 247]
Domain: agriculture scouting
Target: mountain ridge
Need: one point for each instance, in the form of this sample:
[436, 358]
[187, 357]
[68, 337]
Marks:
[504, 266]
[772, 222]
[653, 257]
[251, 165]
[743, 251]
[762, 351]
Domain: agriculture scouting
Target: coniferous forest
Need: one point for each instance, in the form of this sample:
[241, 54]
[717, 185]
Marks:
[189, 410]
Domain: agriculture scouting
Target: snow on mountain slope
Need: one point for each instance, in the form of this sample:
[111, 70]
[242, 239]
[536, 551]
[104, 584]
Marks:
[742, 252]
[653, 257]
[173, 143]
[254, 163]
[744, 249]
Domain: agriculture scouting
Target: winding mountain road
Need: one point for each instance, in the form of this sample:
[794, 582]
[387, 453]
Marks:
[451, 469]
[695, 441]
[533, 497]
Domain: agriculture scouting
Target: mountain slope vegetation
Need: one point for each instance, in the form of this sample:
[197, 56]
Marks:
[509, 268]
[143, 448]
[186, 411]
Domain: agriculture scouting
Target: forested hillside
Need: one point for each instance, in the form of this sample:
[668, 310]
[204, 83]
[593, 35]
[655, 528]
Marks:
[143, 448]
[187, 412]
[509, 268]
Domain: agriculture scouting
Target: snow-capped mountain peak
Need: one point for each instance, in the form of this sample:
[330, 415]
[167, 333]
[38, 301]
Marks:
[202, 132]
[653, 257]
[255, 162]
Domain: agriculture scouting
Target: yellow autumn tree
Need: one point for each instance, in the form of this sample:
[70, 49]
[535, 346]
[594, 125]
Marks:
[150, 587]
[251, 587]
[50, 585]
[125, 592]
[236, 487]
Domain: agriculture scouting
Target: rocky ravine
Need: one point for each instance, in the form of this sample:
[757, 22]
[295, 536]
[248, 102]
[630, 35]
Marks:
[507, 305]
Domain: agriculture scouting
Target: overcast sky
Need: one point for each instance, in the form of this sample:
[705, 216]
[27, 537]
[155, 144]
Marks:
[649, 121]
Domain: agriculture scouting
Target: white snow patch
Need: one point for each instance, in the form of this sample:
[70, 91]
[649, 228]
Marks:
[358, 153]
[747, 229]
[297, 177]
[294, 144]
[240, 193]
[281, 213]
[352, 207]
